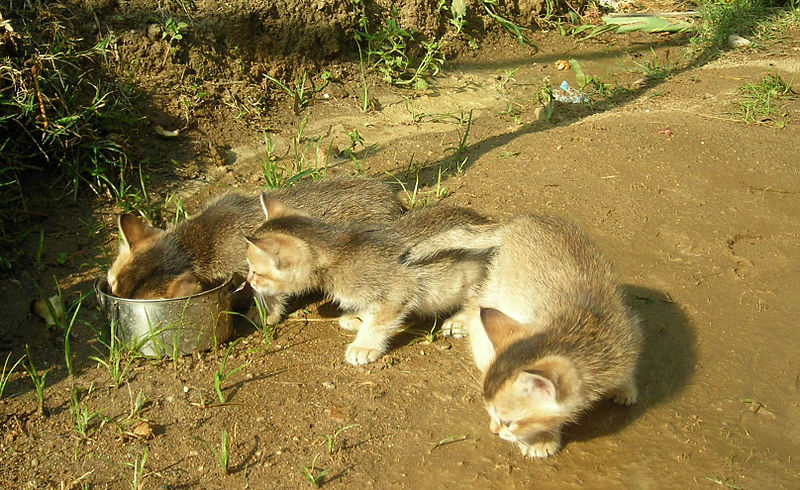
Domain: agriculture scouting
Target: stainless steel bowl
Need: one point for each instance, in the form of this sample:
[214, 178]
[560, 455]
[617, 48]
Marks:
[168, 327]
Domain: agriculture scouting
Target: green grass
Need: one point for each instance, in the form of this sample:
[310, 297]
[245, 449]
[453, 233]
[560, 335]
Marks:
[38, 378]
[314, 475]
[58, 110]
[309, 159]
[333, 439]
[6, 373]
[223, 454]
[753, 19]
[762, 101]
[222, 373]
[81, 414]
[402, 56]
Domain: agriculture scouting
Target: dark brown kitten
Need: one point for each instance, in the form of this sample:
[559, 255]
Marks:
[210, 247]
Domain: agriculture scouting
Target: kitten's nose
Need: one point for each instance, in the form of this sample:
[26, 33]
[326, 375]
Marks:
[494, 427]
[250, 277]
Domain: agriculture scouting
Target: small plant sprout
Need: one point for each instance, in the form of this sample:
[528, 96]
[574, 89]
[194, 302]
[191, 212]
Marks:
[173, 30]
[355, 139]
[137, 405]
[333, 439]
[427, 336]
[5, 375]
[81, 413]
[462, 138]
[137, 481]
[223, 374]
[413, 195]
[267, 331]
[222, 455]
[314, 474]
[38, 379]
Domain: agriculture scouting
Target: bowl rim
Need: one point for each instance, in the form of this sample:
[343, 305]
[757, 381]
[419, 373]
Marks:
[101, 285]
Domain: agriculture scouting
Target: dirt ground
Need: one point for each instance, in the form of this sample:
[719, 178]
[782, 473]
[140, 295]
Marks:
[699, 211]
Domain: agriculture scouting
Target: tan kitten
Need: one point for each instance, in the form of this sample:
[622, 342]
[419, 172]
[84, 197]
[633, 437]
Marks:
[210, 247]
[552, 334]
[357, 266]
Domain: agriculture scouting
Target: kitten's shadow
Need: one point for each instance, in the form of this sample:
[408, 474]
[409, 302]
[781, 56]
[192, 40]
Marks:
[666, 364]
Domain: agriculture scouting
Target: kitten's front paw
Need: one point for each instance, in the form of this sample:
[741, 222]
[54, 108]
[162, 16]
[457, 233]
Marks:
[273, 319]
[541, 449]
[625, 396]
[350, 322]
[453, 327]
[358, 356]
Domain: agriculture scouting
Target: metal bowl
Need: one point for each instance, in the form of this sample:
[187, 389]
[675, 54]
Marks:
[169, 327]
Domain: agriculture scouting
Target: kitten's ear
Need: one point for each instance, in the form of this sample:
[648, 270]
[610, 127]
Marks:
[133, 231]
[273, 208]
[537, 387]
[184, 285]
[551, 377]
[284, 251]
[501, 329]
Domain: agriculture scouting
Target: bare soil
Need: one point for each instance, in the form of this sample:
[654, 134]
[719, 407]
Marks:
[699, 211]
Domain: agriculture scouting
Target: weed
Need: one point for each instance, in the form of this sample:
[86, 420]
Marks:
[414, 198]
[137, 481]
[223, 374]
[314, 474]
[721, 19]
[427, 336]
[761, 101]
[81, 413]
[458, 13]
[441, 190]
[5, 375]
[136, 405]
[389, 51]
[355, 139]
[57, 107]
[333, 439]
[116, 365]
[173, 30]
[462, 146]
[303, 90]
[267, 331]
[654, 68]
[222, 455]
[363, 89]
[38, 379]
[301, 166]
[180, 211]
[517, 31]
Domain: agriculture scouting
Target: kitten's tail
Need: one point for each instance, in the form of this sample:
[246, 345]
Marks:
[467, 238]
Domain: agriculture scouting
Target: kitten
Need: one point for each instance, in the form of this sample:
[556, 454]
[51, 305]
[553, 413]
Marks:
[549, 329]
[357, 266]
[210, 247]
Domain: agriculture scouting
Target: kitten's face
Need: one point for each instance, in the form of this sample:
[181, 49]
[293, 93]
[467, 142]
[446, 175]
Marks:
[279, 264]
[524, 397]
[520, 410]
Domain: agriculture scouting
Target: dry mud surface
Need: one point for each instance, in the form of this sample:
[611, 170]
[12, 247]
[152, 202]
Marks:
[702, 222]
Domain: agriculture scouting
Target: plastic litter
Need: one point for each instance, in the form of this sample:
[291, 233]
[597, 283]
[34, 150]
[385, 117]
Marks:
[566, 93]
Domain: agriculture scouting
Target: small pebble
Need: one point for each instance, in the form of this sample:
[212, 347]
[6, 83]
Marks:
[186, 389]
[34, 462]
